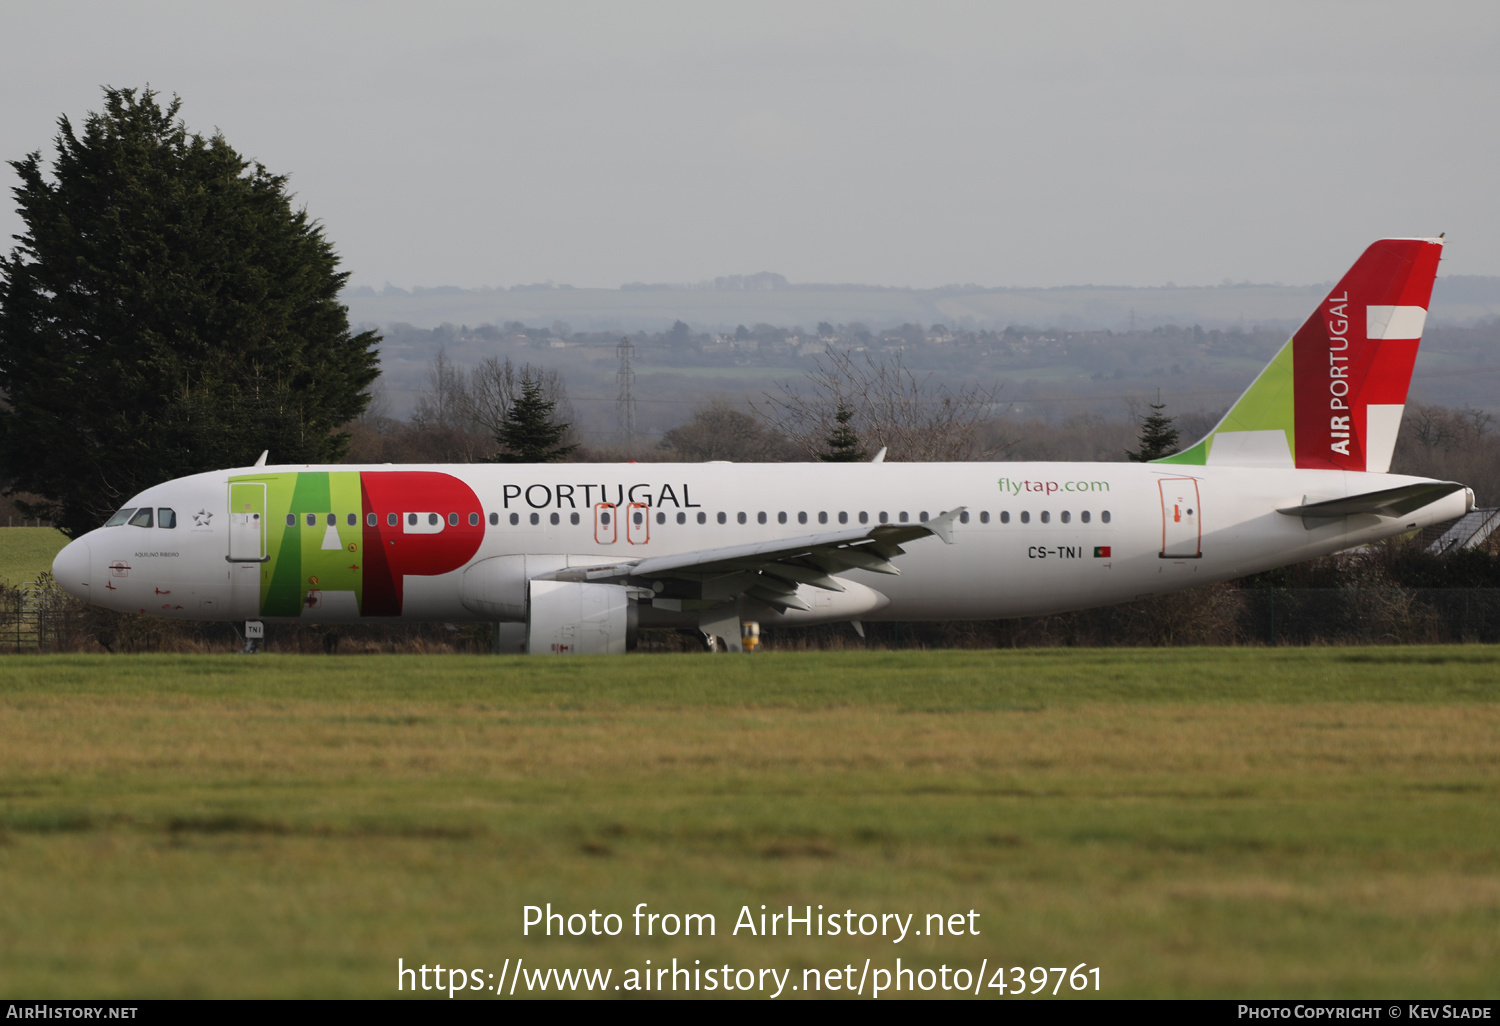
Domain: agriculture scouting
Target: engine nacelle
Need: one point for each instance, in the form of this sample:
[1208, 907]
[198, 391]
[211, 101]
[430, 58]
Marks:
[580, 619]
[496, 587]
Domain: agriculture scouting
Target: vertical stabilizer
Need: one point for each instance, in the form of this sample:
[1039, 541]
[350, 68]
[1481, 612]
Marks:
[1332, 398]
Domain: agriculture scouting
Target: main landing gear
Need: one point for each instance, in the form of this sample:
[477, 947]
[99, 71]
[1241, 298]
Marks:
[749, 639]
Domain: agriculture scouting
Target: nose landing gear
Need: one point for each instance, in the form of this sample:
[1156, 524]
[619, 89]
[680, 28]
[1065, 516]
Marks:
[255, 636]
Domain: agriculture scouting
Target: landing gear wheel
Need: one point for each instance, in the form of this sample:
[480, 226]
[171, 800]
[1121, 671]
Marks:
[713, 643]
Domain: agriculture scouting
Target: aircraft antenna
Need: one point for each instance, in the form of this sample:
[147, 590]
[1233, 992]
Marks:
[625, 401]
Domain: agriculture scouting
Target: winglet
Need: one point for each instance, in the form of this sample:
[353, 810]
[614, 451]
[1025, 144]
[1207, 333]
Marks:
[879, 456]
[942, 525]
[262, 461]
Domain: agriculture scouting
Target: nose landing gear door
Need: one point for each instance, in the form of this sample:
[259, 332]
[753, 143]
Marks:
[1181, 524]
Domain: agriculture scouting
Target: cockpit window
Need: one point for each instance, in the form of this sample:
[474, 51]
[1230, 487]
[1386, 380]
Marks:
[120, 517]
[166, 517]
[142, 517]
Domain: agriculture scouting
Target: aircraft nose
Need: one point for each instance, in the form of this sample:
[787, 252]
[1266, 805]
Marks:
[71, 569]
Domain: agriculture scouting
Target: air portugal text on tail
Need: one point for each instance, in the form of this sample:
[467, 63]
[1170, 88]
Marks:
[575, 558]
[1332, 398]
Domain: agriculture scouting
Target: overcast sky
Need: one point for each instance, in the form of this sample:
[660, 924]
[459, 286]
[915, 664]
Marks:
[893, 143]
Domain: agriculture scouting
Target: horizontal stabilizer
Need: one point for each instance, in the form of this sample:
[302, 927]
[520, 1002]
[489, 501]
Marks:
[1390, 502]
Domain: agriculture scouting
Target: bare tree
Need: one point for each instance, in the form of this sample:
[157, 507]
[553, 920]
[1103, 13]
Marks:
[718, 431]
[912, 418]
[442, 404]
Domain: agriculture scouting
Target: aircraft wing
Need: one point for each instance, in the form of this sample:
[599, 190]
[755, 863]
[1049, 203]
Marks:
[772, 570]
[1389, 502]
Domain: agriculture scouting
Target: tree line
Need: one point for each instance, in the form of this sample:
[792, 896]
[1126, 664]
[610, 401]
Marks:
[169, 310]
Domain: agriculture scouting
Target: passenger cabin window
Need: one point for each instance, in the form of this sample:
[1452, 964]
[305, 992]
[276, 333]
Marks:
[822, 517]
[801, 518]
[312, 520]
[760, 518]
[741, 518]
[573, 519]
[537, 519]
[555, 519]
[963, 518]
[1005, 516]
[843, 517]
[166, 517]
[332, 519]
[352, 520]
[473, 519]
[723, 518]
[661, 518]
[1066, 516]
[1084, 516]
[452, 519]
[120, 518]
[432, 520]
[1025, 517]
[371, 520]
[392, 519]
[515, 518]
[1046, 517]
[682, 518]
[1104, 517]
[142, 517]
[781, 518]
[494, 519]
[702, 518]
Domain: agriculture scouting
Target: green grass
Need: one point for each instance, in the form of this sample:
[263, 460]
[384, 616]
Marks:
[27, 552]
[1295, 823]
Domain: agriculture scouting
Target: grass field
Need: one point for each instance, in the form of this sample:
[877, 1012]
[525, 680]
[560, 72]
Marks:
[27, 552]
[1277, 822]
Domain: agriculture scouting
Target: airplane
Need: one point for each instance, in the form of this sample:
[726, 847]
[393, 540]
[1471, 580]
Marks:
[576, 558]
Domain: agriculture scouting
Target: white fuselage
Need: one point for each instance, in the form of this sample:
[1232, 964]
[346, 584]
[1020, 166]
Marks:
[1035, 538]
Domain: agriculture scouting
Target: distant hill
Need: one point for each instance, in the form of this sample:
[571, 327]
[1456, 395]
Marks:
[770, 299]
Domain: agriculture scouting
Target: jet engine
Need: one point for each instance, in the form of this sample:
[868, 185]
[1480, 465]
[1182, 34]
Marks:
[559, 617]
[580, 619]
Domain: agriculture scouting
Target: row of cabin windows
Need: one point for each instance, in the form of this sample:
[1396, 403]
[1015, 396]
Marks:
[391, 519]
[142, 518]
[638, 518]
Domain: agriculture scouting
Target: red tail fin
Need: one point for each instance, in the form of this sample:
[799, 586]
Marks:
[1352, 360]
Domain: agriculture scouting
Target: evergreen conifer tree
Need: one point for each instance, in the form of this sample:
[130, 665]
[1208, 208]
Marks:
[843, 444]
[529, 434]
[165, 312]
[1158, 436]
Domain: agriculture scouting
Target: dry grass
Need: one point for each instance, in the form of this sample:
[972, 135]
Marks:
[1314, 823]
